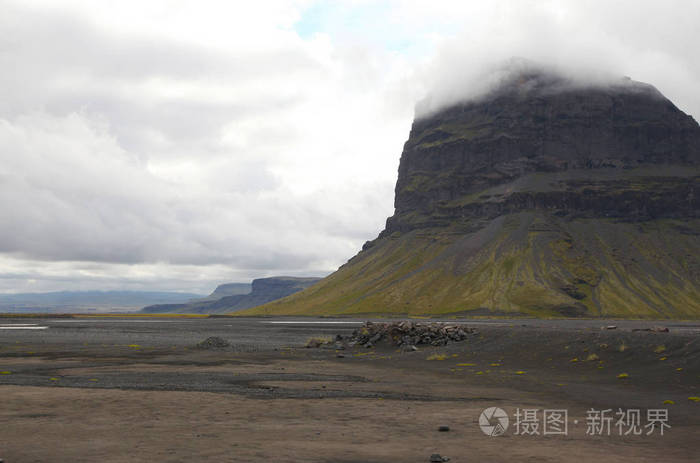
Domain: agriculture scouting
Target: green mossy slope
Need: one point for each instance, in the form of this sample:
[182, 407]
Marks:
[527, 263]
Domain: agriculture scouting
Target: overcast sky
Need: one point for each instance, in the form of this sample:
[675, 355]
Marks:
[175, 145]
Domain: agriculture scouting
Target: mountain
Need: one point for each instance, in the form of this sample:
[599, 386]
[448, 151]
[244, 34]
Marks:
[544, 197]
[85, 301]
[228, 289]
[263, 290]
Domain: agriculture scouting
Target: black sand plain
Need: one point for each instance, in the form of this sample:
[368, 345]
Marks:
[138, 389]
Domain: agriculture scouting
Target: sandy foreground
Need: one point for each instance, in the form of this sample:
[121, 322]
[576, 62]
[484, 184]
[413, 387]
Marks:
[124, 403]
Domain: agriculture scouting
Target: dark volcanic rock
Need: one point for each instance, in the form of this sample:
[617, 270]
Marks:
[407, 333]
[594, 142]
[213, 342]
[437, 458]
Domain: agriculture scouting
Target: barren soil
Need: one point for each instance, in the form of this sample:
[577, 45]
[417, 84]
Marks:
[84, 402]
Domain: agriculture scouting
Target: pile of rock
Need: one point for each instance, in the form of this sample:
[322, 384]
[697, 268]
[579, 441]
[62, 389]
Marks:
[407, 334]
[656, 329]
[213, 342]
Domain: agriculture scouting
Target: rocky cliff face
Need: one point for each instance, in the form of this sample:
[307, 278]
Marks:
[544, 197]
[542, 142]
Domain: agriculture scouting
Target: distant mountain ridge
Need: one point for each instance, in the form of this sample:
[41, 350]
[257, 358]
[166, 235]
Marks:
[81, 301]
[227, 289]
[262, 291]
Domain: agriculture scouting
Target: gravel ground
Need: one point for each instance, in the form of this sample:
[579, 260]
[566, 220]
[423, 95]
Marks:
[114, 390]
[251, 334]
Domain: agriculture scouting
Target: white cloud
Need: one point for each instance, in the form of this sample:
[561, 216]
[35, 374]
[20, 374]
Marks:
[653, 42]
[175, 145]
[82, 197]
